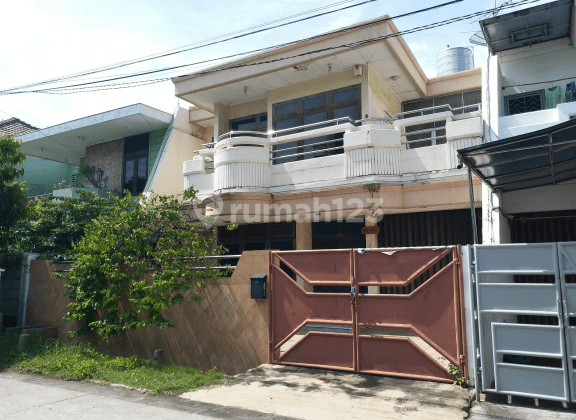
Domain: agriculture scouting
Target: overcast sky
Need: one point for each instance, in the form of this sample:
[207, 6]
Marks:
[45, 39]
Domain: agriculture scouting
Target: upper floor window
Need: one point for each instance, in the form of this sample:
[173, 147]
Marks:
[257, 122]
[431, 134]
[135, 163]
[344, 102]
[459, 102]
[524, 102]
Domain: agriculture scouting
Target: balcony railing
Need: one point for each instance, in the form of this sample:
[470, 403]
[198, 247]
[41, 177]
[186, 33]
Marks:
[253, 161]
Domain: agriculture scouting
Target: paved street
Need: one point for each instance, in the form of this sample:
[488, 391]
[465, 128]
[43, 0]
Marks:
[36, 397]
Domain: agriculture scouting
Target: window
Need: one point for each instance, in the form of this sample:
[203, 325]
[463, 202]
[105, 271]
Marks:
[457, 100]
[524, 102]
[312, 109]
[135, 163]
[257, 236]
[257, 122]
[436, 131]
[338, 235]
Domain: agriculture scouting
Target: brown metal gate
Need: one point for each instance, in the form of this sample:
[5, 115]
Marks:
[413, 335]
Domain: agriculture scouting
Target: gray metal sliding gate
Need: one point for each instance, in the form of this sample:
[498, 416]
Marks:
[525, 310]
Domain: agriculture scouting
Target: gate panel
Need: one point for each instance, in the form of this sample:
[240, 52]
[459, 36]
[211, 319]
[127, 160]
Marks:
[431, 312]
[322, 350]
[521, 330]
[567, 265]
[396, 335]
[294, 311]
[398, 356]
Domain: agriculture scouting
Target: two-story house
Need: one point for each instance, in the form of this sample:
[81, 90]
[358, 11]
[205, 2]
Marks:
[307, 144]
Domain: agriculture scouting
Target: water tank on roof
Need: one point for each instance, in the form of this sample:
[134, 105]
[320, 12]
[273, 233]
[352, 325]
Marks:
[453, 60]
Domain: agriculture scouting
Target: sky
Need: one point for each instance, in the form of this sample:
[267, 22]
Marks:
[60, 37]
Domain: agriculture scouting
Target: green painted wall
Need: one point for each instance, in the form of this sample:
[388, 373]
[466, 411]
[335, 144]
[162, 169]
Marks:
[154, 144]
[41, 174]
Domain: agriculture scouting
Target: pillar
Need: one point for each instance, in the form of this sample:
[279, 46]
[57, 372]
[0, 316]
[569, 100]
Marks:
[304, 242]
[372, 242]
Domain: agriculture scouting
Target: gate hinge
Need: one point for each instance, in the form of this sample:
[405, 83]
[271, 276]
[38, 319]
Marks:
[462, 358]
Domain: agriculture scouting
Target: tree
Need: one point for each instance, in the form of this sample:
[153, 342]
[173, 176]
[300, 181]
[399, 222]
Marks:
[12, 193]
[55, 224]
[136, 261]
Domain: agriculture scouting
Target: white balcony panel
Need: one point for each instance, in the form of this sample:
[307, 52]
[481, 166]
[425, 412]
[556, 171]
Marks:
[203, 183]
[294, 175]
[424, 159]
[464, 128]
[373, 161]
[455, 145]
[241, 176]
[514, 125]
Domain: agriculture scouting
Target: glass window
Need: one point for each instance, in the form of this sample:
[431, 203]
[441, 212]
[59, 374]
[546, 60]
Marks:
[349, 111]
[345, 95]
[286, 108]
[310, 110]
[524, 102]
[136, 163]
[317, 102]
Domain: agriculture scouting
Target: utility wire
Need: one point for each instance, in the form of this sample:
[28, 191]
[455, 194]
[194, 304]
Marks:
[88, 88]
[261, 50]
[190, 48]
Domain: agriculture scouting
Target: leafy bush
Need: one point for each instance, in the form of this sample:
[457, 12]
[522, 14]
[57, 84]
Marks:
[136, 260]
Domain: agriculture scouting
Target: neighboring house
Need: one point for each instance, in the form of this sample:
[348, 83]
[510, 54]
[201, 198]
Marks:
[40, 174]
[325, 132]
[124, 142]
[529, 106]
[524, 275]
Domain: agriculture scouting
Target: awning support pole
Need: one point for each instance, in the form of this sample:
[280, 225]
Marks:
[472, 207]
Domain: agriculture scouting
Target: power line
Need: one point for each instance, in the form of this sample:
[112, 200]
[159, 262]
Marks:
[80, 88]
[56, 89]
[190, 48]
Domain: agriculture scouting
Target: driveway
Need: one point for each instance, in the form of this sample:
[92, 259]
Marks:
[316, 394]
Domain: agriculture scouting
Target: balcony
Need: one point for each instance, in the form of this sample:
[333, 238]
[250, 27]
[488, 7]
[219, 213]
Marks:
[514, 125]
[337, 153]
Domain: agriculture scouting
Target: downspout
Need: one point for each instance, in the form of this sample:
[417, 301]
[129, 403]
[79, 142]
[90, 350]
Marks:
[24, 288]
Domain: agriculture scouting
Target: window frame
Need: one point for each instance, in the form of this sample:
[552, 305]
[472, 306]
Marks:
[541, 93]
[329, 107]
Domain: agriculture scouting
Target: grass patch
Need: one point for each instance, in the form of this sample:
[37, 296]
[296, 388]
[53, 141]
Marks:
[77, 361]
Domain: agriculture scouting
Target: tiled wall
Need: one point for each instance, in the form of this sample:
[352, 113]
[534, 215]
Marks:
[227, 329]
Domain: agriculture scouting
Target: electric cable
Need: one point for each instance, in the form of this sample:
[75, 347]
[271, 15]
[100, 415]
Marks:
[190, 47]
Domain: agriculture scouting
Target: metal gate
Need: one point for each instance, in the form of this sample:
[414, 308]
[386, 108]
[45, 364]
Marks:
[416, 335]
[526, 329]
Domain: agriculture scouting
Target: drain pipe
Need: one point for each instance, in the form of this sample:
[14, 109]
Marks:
[472, 206]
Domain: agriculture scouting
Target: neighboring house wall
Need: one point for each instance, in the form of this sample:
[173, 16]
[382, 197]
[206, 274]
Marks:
[168, 177]
[41, 175]
[227, 329]
[155, 142]
[107, 156]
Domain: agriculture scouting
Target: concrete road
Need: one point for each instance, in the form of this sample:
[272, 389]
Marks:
[36, 397]
[317, 394]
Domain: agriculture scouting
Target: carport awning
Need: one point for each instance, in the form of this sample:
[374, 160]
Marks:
[529, 160]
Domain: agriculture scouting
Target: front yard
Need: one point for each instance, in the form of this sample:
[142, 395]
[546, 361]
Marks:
[77, 361]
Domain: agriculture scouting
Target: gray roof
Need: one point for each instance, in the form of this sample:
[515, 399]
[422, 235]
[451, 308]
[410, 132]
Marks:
[15, 126]
[529, 26]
